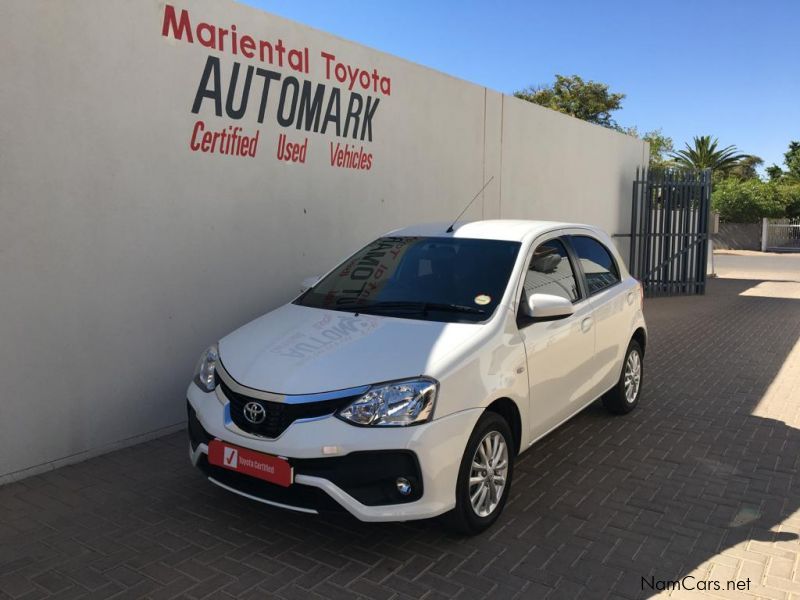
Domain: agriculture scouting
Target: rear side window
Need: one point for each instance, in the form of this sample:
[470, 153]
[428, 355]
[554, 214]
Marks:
[598, 264]
[550, 272]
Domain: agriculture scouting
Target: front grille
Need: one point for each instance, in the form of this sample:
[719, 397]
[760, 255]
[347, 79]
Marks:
[279, 415]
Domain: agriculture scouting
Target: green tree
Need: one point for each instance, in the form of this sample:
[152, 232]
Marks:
[747, 167]
[774, 172]
[660, 148]
[704, 154]
[588, 100]
[791, 159]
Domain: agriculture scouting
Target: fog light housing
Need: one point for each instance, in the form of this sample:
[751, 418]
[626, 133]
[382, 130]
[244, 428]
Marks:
[403, 486]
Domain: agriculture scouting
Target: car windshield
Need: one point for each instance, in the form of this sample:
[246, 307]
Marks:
[431, 278]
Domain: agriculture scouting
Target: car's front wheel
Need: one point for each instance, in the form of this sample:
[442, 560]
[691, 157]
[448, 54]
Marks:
[484, 478]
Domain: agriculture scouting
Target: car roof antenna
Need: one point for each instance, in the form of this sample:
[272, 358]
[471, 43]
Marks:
[488, 181]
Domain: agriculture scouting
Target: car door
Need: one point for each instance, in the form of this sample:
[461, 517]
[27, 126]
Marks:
[559, 351]
[609, 301]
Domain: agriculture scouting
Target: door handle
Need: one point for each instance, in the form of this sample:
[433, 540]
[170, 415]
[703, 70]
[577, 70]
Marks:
[586, 324]
[631, 297]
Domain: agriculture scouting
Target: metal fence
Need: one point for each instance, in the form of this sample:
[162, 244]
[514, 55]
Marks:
[669, 230]
[780, 235]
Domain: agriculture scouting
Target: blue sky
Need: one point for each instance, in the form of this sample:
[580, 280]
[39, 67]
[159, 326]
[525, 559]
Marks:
[726, 68]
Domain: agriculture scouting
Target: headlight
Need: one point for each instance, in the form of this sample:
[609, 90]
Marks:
[204, 371]
[394, 404]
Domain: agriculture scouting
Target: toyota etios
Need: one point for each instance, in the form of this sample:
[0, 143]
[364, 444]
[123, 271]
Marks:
[402, 384]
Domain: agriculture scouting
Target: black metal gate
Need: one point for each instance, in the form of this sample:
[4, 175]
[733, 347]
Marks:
[669, 230]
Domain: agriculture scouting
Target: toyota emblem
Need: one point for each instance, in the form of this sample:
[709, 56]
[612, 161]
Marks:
[254, 412]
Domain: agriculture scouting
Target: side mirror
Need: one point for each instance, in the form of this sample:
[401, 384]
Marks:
[309, 282]
[547, 306]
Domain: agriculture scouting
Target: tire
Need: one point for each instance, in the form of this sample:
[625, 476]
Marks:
[617, 400]
[464, 518]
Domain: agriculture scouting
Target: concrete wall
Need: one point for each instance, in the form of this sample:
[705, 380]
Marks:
[738, 236]
[123, 252]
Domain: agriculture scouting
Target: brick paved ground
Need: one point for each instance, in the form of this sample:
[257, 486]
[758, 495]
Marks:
[702, 479]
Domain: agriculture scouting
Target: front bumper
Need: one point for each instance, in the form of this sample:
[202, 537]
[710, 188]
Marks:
[355, 472]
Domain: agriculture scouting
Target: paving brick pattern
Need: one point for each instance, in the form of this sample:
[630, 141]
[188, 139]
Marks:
[701, 480]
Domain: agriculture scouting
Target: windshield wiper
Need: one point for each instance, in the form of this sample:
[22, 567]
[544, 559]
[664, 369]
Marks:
[419, 306]
[451, 307]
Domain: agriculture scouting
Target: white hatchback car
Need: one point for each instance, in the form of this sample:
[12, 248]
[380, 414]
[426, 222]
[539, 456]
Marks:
[402, 384]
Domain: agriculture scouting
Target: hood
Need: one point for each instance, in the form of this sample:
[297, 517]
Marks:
[301, 350]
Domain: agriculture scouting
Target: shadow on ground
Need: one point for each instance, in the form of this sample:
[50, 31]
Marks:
[596, 506]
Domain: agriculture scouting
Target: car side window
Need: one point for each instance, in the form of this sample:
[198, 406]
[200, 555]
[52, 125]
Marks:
[597, 262]
[550, 272]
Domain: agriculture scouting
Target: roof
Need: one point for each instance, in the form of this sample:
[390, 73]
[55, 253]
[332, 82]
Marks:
[496, 229]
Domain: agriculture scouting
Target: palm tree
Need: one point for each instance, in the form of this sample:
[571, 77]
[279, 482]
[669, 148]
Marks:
[705, 155]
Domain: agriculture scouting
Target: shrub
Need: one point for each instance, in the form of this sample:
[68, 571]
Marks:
[747, 201]
[789, 194]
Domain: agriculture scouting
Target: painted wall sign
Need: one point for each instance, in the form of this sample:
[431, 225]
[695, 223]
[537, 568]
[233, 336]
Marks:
[278, 90]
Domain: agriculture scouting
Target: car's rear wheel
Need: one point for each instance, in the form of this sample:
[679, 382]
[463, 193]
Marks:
[624, 396]
[484, 478]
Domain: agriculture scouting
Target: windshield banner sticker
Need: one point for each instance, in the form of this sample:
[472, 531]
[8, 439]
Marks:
[364, 276]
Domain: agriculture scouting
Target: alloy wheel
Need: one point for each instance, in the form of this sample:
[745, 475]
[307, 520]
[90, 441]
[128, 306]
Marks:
[487, 478]
[633, 376]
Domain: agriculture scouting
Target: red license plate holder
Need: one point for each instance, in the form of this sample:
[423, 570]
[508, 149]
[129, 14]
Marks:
[249, 462]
